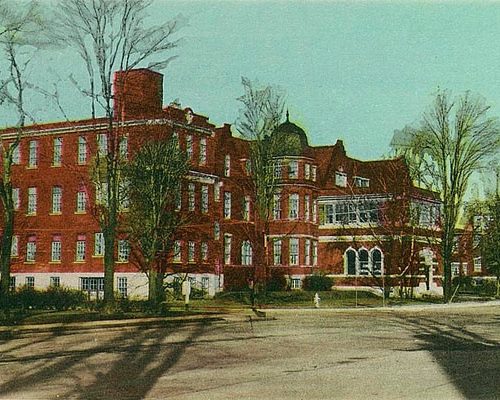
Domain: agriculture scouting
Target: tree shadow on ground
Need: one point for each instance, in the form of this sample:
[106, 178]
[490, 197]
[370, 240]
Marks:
[142, 358]
[470, 360]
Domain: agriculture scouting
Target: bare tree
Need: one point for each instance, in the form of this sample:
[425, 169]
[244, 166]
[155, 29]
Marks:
[111, 35]
[261, 114]
[154, 182]
[454, 140]
[23, 34]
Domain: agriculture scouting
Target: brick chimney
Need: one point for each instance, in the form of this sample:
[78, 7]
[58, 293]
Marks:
[138, 93]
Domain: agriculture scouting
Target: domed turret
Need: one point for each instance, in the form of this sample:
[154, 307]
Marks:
[290, 139]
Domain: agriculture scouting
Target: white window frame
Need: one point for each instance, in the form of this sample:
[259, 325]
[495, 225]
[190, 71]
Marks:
[191, 252]
[191, 197]
[293, 169]
[361, 182]
[55, 251]
[477, 264]
[16, 153]
[123, 147]
[56, 199]
[307, 252]
[227, 165]
[32, 200]
[14, 248]
[307, 207]
[277, 207]
[307, 171]
[57, 155]
[227, 249]
[293, 206]
[189, 147]
[16, 198]
[80, 250]
[177, 252]
[102, 144]
[202, 159]
[313, 173]
[314, 252]
[122, 286]
[31, 251]
[123, 250]
[293, 251]
[246, 208]
[33, 154]
[277, 252]
[340, 179]
[227, 205]
[246, 253]
[98, 244]
[82, 150]
[81, 201]
[204, 251]
[30, 282]
[204, 199]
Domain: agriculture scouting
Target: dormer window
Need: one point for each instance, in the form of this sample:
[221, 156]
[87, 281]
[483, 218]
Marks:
[340, 179]
[361, 182]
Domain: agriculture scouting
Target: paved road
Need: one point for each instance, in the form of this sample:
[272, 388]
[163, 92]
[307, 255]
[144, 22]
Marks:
[431, 353]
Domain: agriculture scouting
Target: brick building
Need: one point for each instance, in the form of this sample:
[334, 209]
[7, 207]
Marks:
[354, 220]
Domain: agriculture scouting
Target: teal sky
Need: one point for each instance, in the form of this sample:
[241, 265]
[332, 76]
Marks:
[353, 70]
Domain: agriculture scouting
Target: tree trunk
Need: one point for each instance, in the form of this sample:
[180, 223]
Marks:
[109, 267]
[156, 293]
[8, 230]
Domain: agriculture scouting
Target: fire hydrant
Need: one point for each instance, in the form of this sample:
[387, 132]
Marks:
[316, 300]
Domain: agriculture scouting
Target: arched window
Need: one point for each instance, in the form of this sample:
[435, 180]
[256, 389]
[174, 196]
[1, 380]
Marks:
[350, 257]
[377, 267]
[246, 253]
[364, 266]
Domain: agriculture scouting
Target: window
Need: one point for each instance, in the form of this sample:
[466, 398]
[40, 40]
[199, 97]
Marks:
[16, 153]
[203, 151]
[99, 244]
[293, 206]
[277, 206]
[177, 251]
[307, 171]
[32, 200]
[329, 213]
[30, 282]
[464, 269]
[12, 283]
[314, 253]
[123, 250]
[307, 207]
[55, 281]
[80, 248]
[313, 173]
[102, 144]
[345, 213]
[294, 251]
[361, 182]
[56, 249]
[92, 284]
[123, 147]
[246, 208]
[477, 264]
[14, 248]
[31, 249]
[296, 283]
[307, 252]
[189, 147]
[364, 266]
[341, 179]
[178, 197]
[368, 211]
[277, 169]
[216, 230]
[101, 193]
[122, 286]
[227, 165]
[56, 199]
[16, 198]
[277, 251]
[315, 211]
[293, 169]
[217, 187]
[191, 199]
[204, 251]
[350, 260]
[81, 201]
[57, 156]
[455, 268]
[191, 250]
[227, 249]
[205, 281]
[82, 150]
[33, 154]
[246, 253]
[377, 262]
[227, 205]
[123, 194]
[204, 199]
